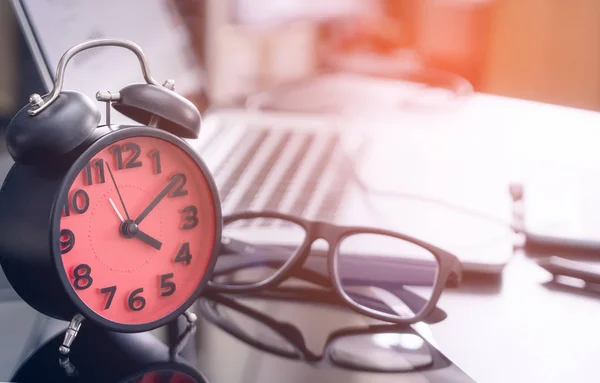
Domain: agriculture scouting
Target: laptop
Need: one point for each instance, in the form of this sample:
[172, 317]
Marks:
[448, 180]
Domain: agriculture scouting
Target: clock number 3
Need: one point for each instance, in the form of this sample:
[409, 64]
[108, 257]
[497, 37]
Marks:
[83, 278]
[190, 220]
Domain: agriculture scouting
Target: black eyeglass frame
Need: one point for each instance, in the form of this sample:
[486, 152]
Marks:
[295, 339]
[448, 264]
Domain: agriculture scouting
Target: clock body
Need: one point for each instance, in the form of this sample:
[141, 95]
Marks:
[124, 229]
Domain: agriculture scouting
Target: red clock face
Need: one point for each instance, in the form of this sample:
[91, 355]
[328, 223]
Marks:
[137, 231]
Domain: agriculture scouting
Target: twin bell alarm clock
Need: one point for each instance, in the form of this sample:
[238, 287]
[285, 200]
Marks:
[115, 224]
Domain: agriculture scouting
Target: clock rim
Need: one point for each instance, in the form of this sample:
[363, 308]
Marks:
[118, 134]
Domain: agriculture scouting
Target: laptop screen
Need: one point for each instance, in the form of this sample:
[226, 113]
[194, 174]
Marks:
[58, 25]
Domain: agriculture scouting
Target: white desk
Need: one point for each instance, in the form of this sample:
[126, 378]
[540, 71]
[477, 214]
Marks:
[520, 330]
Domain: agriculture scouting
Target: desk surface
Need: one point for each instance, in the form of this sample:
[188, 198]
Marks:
[517, 328]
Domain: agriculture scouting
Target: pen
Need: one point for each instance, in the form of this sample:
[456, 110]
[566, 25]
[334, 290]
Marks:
[558, 266]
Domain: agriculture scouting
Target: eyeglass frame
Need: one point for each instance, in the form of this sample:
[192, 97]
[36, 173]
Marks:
[449, 267]
[295, 338]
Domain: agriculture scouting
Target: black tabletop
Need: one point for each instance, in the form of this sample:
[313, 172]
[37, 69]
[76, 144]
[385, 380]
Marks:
[237, 340]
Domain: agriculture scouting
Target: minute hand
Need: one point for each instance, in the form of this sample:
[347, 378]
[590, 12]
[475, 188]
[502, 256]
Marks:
[156, 200]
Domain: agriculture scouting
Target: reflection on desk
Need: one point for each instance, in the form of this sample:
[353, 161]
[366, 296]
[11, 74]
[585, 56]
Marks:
[268, 341]
[102, 356]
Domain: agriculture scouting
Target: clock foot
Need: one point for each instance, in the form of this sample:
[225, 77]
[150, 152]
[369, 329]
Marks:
[190, 330]
[71, 334]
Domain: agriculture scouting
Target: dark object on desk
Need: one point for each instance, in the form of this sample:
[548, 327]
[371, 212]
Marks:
[557, 266]
[106, 357]
[377, 348]
[45, 198]
[399, 264]
[561, 211]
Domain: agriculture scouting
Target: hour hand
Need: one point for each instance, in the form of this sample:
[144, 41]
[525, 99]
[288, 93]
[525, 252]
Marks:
[155, 243]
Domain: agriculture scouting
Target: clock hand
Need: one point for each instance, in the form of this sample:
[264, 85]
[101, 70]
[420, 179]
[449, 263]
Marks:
[156, 200]
[155, 243]
[117, 189]
[116, 210]
[130, 229]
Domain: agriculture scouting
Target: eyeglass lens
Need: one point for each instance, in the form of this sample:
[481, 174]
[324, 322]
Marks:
[386, 274]
[249, 255]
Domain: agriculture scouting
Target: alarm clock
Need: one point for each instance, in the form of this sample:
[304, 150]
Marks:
[107, 357]
[115, 224]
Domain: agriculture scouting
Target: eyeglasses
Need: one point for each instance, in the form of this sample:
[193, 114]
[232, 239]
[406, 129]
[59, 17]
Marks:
[382, 274]
[377, 348]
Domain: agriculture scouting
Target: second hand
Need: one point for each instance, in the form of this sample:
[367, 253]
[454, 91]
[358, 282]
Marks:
[117, 189]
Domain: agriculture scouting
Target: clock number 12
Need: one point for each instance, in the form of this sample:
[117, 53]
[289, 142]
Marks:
[132, 162]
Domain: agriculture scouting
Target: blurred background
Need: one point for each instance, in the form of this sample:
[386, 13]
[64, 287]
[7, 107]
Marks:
[439, 156]
[544, 50]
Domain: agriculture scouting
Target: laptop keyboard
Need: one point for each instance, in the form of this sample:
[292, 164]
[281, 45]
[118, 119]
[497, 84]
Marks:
[300, 172]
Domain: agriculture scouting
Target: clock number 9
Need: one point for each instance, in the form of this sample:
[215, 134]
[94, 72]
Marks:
[136, 302]
[67, 241]
[83, 279]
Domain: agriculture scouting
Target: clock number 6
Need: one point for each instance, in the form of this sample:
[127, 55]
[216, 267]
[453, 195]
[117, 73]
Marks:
[83, 279]
[165, 283]
[136, 302]
[191, 219]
